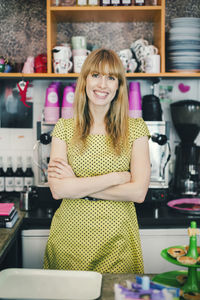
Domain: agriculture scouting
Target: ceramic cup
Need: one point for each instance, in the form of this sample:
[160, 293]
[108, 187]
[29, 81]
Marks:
[79, 56]
[125, 56]
[152, 64]
[62, 66]
[132, 66]
[61, 59]
[79, 42]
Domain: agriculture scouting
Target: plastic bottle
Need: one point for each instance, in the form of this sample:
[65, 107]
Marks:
[29, 175]
[192, 251]
[9, 176]
[19, 176]
[2, 176]
[135, 102]
[67, 102]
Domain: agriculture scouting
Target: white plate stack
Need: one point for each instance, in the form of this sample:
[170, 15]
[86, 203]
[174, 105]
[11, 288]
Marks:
[184, 45]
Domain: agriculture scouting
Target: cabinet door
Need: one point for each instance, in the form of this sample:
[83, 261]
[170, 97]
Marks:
[153, 241]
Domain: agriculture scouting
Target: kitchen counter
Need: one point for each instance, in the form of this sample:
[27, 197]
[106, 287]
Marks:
[108, 281]
[9, 235]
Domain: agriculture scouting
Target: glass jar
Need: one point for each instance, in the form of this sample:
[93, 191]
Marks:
[139, 2]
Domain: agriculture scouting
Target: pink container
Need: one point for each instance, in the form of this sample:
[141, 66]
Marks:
[67, 110]
[135, 101]
[51, 108]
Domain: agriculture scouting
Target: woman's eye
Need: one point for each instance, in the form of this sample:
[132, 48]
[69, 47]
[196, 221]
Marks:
[111, 77]
[95, 75]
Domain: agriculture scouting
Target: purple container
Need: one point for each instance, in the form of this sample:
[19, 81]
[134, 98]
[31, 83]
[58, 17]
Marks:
[67, 110]
[52, 98]
[135, 100]
[68, 96]
[52, 107]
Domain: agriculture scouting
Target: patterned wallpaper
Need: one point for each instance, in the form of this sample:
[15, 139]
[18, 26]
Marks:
[23, 28]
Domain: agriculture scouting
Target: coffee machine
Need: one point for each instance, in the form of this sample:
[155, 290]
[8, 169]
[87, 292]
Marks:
[186, 119]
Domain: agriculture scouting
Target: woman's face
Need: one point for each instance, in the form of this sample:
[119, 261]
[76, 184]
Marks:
[101, 89]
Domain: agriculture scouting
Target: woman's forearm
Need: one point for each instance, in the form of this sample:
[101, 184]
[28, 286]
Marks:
[76, 187]
[132, 192]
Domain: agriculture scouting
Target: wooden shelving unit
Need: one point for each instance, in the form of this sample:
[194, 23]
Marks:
[151, 14]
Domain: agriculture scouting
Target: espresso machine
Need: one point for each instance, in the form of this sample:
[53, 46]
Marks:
[186, 119]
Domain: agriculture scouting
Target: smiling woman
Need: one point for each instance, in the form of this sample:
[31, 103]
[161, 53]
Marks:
[100, 166]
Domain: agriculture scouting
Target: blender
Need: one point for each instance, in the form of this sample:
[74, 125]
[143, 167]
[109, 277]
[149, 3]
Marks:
[186, 119]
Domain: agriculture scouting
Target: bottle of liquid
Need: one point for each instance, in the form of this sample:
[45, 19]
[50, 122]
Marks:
[9, 176]
[81, 2]
[126, 2]
[28, 174]
[139, 2]
[135, 102]
[19, 176]
[115, 2]
[2, 176]
[67, 102]
[93, 2]
[105, 2]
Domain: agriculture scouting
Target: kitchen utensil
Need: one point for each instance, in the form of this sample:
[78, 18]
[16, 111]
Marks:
[25, 199]
[151, 108]
[186, 205]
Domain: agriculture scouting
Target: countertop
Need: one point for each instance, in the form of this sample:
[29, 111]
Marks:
[8, 235]
[108, 281]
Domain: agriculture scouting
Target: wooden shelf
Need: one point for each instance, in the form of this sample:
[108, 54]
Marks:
[106, 14]
[57, 14]
[75, 75]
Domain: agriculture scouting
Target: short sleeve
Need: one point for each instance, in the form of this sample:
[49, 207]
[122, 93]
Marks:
[59, 130]
[138, 128]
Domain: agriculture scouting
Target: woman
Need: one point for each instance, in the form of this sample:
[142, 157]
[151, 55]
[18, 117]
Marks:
[100, 166]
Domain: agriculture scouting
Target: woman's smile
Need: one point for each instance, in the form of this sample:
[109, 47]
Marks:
[101, 89]
[101, 95]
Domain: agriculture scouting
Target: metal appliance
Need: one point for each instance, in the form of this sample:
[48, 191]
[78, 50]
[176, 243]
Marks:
[186, 119]
[41, 152]
[160, 153]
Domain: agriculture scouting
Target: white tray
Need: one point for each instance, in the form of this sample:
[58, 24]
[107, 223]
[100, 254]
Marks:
[49, 284]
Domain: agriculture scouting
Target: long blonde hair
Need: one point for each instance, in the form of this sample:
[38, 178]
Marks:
[116, 119]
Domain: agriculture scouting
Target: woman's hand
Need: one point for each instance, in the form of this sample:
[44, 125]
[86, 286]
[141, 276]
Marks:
[59, 168]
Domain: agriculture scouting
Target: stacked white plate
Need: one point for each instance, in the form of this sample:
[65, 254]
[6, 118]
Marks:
[184, 45]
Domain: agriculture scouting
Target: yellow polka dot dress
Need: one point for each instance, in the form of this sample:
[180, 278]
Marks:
[100, 235]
